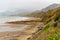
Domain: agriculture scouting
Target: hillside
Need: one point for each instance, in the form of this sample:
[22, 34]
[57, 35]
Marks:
[41, 13]
[51, 29]
[51, 7]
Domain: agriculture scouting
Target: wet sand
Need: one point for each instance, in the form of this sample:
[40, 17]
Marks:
[19, 30]
[20, 35]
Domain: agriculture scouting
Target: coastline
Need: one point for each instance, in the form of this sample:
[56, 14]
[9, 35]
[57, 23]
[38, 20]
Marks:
[23, 34]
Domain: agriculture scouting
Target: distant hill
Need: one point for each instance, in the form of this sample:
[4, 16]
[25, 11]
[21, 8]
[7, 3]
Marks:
[16, 12]
[28, 12]
[51, 7]
[41, 13]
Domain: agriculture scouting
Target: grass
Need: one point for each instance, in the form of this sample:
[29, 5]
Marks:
[53, 32]
[54, 36]
[46, 29]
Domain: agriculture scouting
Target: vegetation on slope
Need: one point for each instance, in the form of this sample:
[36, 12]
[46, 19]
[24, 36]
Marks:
[51, 30]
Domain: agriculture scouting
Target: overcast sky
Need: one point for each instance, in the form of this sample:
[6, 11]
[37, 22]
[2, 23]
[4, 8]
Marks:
[25, 4]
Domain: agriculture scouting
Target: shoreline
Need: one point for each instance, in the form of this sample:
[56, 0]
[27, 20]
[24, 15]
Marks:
[25, 33]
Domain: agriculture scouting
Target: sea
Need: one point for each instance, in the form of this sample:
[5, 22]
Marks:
[5, 27]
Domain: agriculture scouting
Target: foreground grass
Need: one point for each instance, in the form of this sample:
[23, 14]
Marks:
[54, 36]
[48, 33]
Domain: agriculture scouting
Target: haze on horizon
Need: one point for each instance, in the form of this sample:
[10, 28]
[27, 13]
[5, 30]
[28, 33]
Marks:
[25, 4]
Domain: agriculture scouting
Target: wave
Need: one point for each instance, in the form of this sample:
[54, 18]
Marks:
[12, 19]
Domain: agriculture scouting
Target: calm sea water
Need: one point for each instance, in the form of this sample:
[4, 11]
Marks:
[5, 27]
[12, 18]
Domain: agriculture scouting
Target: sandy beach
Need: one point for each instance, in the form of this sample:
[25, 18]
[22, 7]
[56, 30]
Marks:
[17, 31]
[20, 34]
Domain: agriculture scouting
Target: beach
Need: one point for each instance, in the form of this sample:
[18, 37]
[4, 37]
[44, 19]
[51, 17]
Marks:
[17, 31]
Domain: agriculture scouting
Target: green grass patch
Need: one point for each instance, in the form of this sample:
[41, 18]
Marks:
[54, 36]
[46, 29]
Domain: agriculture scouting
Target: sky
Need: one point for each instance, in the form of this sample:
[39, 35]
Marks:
[25, 4]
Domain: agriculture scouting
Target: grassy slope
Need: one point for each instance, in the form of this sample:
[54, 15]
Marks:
[50, 32]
